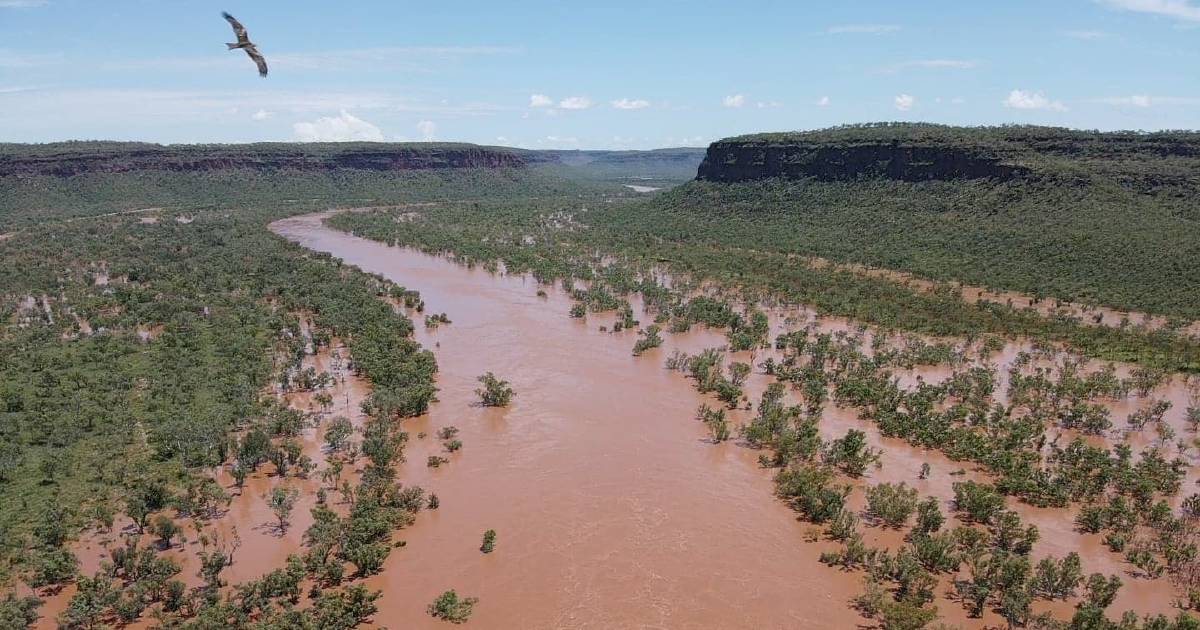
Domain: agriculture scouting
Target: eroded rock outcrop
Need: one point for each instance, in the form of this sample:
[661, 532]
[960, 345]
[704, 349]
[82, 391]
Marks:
[69, 159]
[738, 161]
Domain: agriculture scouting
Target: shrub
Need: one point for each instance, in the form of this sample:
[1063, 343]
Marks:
[449, 607]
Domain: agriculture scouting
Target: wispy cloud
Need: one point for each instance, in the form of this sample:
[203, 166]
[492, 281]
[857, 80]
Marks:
[863, 29]
[22, 4]
[1024, 99]
[427, 130]
[420, 59]
[262, 115]
[952, 64]
[904, 102]
[411, 57]
[16, 89]
[1177, 9]
[627, 103]
[823, 101]
[540, 100]
[1087, 35]
[345, 127]
[575, 102]
[12, 60]
[556, 142]
[121, 106]
[734, 100]
[1145, 100]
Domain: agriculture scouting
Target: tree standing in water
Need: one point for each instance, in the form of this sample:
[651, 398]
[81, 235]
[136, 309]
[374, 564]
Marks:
[449, 607]
[495, 392]
[281, 501]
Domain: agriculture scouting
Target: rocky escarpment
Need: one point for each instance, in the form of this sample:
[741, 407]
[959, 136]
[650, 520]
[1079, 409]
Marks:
[1146, 161]
[746, 160]
[70, 159]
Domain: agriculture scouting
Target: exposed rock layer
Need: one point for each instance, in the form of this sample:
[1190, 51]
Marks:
[737, 161]
[69, 160]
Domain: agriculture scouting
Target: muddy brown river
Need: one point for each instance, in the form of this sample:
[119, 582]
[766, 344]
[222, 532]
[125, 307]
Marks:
[612, 508]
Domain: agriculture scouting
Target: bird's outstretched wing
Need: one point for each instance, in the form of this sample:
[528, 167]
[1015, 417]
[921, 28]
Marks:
[258, 60]
[238, 29]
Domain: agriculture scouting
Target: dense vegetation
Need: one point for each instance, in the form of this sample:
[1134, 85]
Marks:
[1104, 218]
[563, 238]
[137, 357]
[133, 354]
[114, 177]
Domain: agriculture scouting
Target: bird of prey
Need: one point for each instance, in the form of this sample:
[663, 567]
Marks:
[243, 42]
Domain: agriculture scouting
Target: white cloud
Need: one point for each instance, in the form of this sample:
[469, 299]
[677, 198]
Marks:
[540, 100]
[427, 129]
[22, 4]
[559, 141]
[12, 60]
[14, 89]
[423, 60]
[1087, 35]
[685, 141]
[1178, 9]
[823, 101]
[262, 114]
[341, 128]
[1145, 100]
[415, 58]
[905, 102]
[952, 64]
[768, 104]
[734, 100]
[868, 29]
[1023, 99]
[575, 102]
[635, 103]
[958, 100]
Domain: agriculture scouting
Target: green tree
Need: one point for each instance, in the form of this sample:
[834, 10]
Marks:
[282, 500]
[495, 392]
[450, 607]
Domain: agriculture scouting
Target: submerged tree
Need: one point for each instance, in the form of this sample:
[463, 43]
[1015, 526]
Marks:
[450, 607]
[282, 500]
[495, 392]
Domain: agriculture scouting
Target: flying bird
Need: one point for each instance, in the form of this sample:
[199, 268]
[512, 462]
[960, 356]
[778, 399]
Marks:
[243, 42]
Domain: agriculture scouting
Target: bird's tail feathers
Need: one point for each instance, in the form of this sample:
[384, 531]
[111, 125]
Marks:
[233, 46]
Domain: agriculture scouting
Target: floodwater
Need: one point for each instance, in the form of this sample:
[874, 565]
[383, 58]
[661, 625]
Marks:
[611, 511]
[612, 508]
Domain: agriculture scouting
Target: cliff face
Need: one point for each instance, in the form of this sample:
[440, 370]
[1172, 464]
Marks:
[739, 161]
[70, 161]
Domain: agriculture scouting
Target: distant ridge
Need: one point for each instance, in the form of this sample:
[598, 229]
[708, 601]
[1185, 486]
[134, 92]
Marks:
[923, 152]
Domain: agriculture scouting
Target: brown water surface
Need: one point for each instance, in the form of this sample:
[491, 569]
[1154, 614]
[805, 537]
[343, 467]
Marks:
[610, 508]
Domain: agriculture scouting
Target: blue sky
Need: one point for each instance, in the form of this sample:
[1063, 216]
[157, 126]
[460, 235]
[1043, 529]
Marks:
[611, 74]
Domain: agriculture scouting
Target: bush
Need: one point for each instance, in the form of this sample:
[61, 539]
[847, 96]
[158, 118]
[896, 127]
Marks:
[495, 392]
[978, 502]
[892, 504]
[449, 607]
